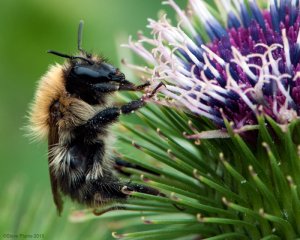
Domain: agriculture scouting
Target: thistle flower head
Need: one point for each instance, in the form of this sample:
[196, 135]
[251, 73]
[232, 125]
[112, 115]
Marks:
[235, 64]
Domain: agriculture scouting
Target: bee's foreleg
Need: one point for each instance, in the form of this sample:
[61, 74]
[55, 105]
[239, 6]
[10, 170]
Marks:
[128, 86]
[113, 87]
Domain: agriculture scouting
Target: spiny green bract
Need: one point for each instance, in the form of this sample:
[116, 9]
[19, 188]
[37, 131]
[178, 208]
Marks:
[237, 187]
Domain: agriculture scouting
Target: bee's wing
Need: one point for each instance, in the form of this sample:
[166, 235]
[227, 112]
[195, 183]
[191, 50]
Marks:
[52, 140]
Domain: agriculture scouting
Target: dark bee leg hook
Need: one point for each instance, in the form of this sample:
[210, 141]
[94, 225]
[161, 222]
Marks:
[131, 87]
[110, 87]
[120, 164]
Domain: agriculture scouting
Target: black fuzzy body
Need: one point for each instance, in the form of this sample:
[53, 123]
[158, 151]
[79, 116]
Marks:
[79, 139]
[71, 108]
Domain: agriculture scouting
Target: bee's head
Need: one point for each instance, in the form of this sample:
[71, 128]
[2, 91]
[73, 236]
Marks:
[87, 70]
[89, 67]
[96, 71]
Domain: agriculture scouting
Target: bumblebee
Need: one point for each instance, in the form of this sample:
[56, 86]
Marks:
[72, 109]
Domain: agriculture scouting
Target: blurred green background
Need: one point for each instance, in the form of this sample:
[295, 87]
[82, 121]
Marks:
[28, 29]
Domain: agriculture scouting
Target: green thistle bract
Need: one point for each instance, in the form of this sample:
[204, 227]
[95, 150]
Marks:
[224, 149]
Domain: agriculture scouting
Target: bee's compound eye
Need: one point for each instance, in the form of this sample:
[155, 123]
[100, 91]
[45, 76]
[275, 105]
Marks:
[86, 71]
[97, 73]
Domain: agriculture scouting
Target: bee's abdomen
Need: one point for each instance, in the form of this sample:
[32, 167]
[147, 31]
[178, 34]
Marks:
[77, 163]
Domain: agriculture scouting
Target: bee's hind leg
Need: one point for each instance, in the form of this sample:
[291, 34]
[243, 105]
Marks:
[109, 188]
[120, 164]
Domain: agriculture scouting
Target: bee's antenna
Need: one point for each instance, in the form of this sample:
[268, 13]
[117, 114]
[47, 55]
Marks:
[80, 30]
[60, 54]
[70, 57]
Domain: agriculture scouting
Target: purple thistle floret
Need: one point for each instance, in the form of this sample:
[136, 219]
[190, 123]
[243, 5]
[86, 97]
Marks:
[247, 65]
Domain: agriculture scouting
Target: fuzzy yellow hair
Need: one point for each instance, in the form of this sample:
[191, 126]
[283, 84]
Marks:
[50, 88]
